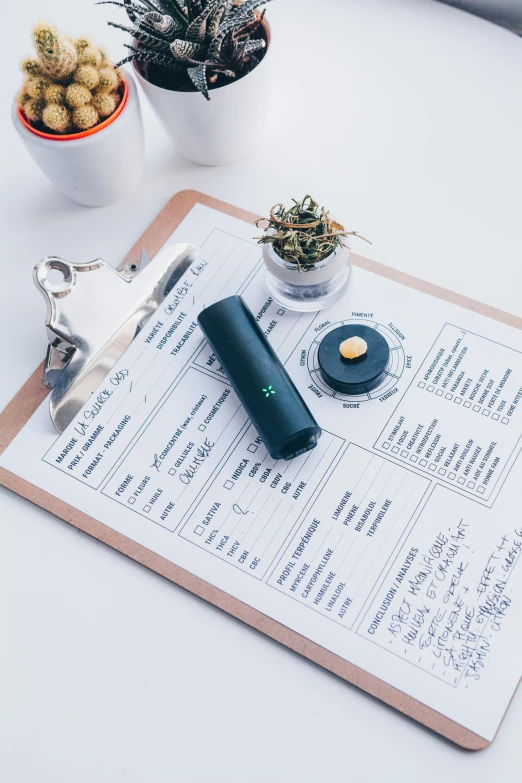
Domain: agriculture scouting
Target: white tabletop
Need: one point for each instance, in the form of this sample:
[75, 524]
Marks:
[405, 118]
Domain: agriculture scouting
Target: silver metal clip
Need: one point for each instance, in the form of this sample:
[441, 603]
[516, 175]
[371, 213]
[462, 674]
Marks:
[93, 314]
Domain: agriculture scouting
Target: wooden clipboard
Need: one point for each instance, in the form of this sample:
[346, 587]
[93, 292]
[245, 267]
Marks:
[32, 393]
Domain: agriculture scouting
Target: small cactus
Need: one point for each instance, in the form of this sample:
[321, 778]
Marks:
[71, 85]
[85, 117]
[56, 54]
[104, 103]
[107, 79]
[33, 109]
[91, 55]
[57, 117]
[35, 86]
[77, 95]
[54, 93]
[87, 75]
[30, 66]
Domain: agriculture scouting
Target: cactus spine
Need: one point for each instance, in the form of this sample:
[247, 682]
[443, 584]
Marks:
[71, 85]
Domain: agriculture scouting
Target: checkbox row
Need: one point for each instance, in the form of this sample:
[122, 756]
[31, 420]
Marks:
[461, 480]
[432, 466]
[458, 401]
[485, 412]
[132, 501]
[404, 453]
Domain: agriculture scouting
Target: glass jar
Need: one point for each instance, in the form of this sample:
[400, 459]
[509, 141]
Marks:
[310, 290]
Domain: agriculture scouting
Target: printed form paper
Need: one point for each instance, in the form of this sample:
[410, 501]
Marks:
[395, 543]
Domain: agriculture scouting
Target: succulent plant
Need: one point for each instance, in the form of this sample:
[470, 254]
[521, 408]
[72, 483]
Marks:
[303, 234]
[195, 41]
[70, 85]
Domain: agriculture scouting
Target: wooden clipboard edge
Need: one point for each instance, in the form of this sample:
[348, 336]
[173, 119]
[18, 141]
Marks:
[32, 393]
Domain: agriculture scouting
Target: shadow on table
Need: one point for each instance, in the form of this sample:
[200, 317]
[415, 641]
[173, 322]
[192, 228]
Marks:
[507, 13]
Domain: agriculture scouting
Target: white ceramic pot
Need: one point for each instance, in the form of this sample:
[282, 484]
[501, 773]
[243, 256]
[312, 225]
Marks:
[310, 290]
[222, 130]
[98, 169]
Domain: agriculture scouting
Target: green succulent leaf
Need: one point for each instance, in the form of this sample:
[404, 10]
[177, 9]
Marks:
[172, 8]
[254, 45]
[148, 39]
[133, 10]
[219, 10]
[197, 30]
[185, 50]
[163, 24]
[198, 76]
[151, 56]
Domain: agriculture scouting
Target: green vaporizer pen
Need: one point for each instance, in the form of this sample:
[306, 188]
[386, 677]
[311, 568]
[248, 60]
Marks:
[269, 396]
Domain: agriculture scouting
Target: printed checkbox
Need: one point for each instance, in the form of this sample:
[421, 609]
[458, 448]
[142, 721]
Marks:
[395, 449]
[252, 448]
[485, 412]
[442, 471]
[421, 384]
[131, 500]
[476, 408]
[449, 396]
[451, 476]
[504, 420]
[467, 404]
[228, 484]
[471, 484]
[404, 454]
[202, 427]
[461, 480]
[199, 530]
[280, 311]
[386, 444]
[481, 490]
[423, 463]
[146, 509]
[430, 388]
[457, 400]
[413, 458]
[433, 466]
[439, 392]
[172, 471]
[495, 416]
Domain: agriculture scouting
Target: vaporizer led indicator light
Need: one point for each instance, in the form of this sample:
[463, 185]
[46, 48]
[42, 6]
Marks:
[268, 391]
